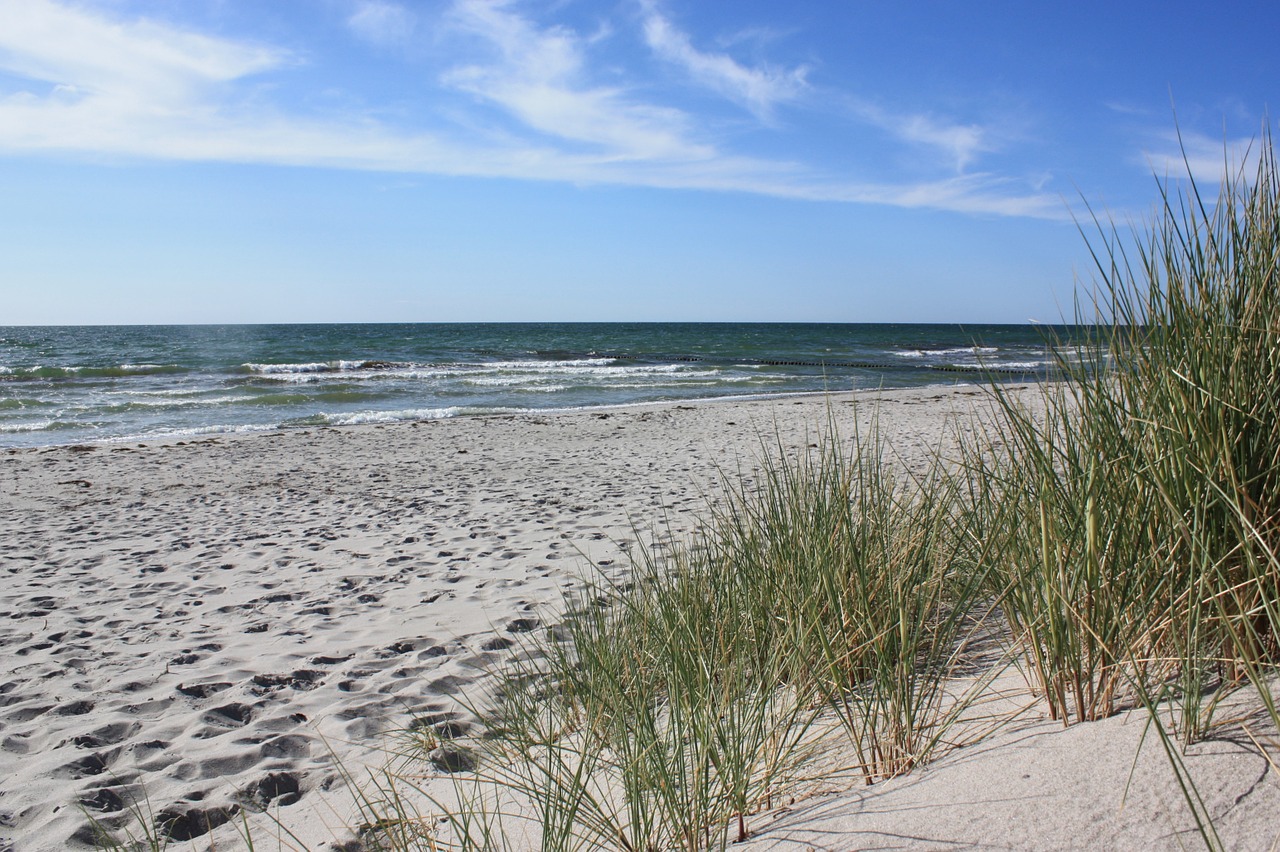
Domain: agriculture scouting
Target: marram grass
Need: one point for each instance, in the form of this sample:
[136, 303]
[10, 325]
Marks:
[1136, 506]
[1125, 523]
[822, 609]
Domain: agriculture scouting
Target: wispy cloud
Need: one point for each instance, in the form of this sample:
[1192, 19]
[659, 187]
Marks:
[46, 41]
[986, 194]
[382, 23]
[539, 76]
[1128, 109]
[138, 88]
[1205, 158]
[758, 89]
[958, 142]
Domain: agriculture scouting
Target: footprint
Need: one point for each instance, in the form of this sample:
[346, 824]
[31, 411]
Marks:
[107, 735]
[232, 715]
[202, 690]
[281, 788]
[84, 767]
[303, 679]
[16, 744]
[187, 822]
[287, 745]
[103, 800]
[26, 714]
[324, 660]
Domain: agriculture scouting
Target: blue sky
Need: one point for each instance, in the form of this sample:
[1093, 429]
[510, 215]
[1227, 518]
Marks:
[471, 160]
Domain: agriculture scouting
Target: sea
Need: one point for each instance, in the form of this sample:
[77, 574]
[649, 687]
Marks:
[88, 384]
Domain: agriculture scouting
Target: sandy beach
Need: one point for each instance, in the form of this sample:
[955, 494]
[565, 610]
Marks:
[211, 625]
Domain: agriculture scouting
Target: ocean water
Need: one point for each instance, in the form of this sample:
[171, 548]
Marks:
[66, 385]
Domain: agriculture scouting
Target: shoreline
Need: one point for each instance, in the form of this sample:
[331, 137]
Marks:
[250, 430]
[232, 621]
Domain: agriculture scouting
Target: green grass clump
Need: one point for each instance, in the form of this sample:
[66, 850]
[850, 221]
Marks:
[866, 574]
[1125, 521]
[828, 597]
[1137, 508]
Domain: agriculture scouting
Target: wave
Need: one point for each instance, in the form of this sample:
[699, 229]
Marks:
[552, 363]
[343, 376]
[365, 365]
[496, 373]
[622, 377]
[117, 371]
[194, 431]
[927, 352]
[170, 403]
[339, 366]
[358, 417]
[44, 426]
[1021, 365]
[18, 403]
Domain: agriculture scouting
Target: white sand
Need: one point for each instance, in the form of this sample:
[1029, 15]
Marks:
[204, 621]
[1036, 785]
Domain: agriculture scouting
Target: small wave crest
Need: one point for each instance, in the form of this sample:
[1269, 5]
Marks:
[945, 351]
[196, 431]
[340, 366]
[170, 403]
[18, 403]
[358, 417]
[116, 371]
[41, 426]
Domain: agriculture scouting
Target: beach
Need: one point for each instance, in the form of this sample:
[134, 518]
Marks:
[226, 624]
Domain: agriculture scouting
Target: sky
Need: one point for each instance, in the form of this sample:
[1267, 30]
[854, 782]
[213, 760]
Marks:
[164, 161]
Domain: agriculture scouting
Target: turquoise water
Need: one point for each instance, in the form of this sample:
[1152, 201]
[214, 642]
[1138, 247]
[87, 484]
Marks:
[62, 385]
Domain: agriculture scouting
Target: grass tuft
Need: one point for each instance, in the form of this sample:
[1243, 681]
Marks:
[1136, 505]
[1124, 522]
[830, 597]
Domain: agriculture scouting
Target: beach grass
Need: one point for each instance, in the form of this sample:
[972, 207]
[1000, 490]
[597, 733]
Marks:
[1123, 520]
[1121, 525]
[1137, 503]
[822, 609]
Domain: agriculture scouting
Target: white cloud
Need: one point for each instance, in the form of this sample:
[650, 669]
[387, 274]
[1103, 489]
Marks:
[1205, 158]
[105, 86]
[758, 89]
[539, 76]
[97, 85]
[1122, 108]
[974, 193]
[381, 23]
[46, 41]
[959, 143]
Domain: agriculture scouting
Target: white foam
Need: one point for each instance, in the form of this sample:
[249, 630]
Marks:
[177, 402]
[38, 426]
[534, 365]
[210, 430]
[391, 416]
[272, 369]
[358, 375]
[1019, 365]
[957, 350]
